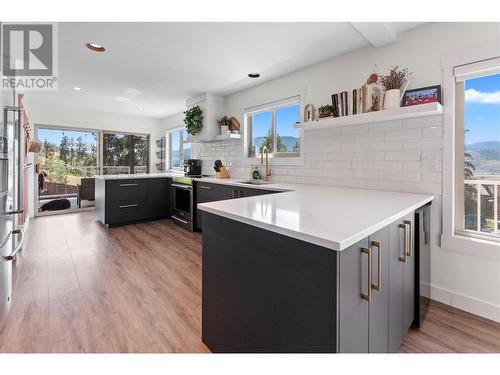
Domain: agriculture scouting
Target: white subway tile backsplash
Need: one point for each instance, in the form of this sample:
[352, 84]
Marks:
[432, 132]
[395, 155]
[384, 126]
[402, 155]
[369, 155]
[369, 137]
[356, 129]
[385, 146]
[422, 144]
[422, 122]
[403, 134]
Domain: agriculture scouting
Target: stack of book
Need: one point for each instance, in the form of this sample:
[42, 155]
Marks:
[368, 98]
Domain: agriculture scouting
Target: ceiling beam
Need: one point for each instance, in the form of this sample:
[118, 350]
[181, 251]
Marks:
[377, 33]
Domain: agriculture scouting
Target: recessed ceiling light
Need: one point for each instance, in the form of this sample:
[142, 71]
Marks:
[254, 75]
[95, 47]
[140, 108]
[76, 88]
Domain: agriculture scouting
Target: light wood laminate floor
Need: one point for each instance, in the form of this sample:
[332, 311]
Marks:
[137, 288]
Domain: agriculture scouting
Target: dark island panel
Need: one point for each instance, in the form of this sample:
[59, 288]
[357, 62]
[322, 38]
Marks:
[265, 292]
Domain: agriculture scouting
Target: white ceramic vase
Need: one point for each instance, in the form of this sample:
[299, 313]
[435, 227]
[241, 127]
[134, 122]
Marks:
[392, 99]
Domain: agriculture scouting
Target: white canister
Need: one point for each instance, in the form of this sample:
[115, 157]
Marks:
[392, 99]
[224, 129]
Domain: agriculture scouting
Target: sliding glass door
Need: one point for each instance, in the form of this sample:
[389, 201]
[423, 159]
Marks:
[125, 153]
[66, 164]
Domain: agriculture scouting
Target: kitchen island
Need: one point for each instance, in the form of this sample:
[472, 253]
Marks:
[125, 198]
[314, 269]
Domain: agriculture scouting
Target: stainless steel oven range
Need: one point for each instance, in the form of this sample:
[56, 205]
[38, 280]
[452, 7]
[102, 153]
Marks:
[183, 202]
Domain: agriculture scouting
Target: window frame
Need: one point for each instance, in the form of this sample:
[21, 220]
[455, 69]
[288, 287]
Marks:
[453, 62]
[114, 132]
[278, 158]
[182, 141]
[462, 74]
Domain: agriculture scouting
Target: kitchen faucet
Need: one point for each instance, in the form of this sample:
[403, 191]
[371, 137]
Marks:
[267, 173]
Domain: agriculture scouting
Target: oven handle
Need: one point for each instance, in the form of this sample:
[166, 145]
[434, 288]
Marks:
[185, 187]
[179, 219]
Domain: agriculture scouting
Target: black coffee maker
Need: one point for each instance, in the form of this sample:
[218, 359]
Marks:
[192, 168]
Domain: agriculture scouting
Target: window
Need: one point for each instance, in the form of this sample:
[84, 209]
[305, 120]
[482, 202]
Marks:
[477, 151]
[179, 149]
[273, 128]
[125, 153]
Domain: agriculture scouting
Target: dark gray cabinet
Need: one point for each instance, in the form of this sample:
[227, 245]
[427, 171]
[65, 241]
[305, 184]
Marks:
[246, 192]
[121, 201]
[363, 295]
[379, 303]
[353, 312]
[277, 294]
[208, 192]
[401, 280]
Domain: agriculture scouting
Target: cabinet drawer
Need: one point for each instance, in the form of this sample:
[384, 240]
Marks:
[124, 211]
[134, 189]
[213, 192]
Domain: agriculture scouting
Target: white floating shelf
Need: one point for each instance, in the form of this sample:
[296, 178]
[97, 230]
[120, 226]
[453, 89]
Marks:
[402, 113]
[218, 138]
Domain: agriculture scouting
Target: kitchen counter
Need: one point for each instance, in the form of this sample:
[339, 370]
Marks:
[332, 217]
[138, 175]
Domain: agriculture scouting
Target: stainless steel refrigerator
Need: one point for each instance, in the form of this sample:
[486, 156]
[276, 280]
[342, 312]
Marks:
[11, 196]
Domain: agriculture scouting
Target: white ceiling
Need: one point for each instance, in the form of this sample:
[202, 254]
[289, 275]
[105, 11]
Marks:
[157, 66]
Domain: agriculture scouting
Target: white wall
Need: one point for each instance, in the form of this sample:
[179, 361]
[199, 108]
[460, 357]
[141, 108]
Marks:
[400, 156]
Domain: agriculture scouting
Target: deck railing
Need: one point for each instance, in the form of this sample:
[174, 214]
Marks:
[481, 206]
[58, 189]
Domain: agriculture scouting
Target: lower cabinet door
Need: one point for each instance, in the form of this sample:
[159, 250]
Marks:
[353, 309]
[379, 304]
[409, 277]
[124, 211]
[158, 197]
[247, 192]
[396, 284]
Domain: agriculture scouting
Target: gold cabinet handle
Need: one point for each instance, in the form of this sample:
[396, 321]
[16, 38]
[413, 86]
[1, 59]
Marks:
[405, 229]
[410, 245]
[206, 187]
[378, 285]
[368, 296]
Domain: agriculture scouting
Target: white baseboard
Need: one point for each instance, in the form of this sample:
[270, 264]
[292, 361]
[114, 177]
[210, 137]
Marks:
[467, 303]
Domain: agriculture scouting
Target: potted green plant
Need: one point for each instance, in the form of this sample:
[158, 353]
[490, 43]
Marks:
[392, 84]
[193, 118]
[325, 110]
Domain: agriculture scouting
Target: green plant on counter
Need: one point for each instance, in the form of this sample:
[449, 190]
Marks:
[193, 118]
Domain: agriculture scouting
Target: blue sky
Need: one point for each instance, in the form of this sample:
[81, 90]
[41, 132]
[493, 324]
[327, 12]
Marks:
[285, 119]
[482, 109]
[55, 136]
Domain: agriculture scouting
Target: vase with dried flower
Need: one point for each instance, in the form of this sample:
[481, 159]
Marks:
[392, 84]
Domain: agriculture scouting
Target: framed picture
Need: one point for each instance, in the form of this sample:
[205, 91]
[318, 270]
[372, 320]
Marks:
[430, 94]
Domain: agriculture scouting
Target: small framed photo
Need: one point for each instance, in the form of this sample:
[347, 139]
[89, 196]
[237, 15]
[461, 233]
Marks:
[424, 95]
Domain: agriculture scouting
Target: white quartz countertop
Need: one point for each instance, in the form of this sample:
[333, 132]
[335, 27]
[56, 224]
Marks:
[333, 217]
[139, 175]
